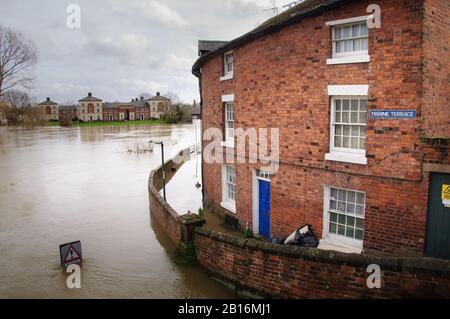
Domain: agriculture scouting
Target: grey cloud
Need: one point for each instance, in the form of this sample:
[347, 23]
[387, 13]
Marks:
[125, 47]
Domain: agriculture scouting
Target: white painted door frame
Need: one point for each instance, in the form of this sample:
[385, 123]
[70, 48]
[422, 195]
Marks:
[255, 198]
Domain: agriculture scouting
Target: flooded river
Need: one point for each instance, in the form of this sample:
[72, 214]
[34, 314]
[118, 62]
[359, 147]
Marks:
[59, 185]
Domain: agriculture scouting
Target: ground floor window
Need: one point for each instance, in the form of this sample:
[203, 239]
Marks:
[229, 188]
[344, 210]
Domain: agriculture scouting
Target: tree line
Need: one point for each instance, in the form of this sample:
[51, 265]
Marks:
[18, 56]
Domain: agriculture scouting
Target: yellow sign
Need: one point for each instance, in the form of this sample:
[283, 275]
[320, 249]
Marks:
[445, 192]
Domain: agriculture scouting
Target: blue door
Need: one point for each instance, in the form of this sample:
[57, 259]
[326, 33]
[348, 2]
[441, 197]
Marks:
[264, 208]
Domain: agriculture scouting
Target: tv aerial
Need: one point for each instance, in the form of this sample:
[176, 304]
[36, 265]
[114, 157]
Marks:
[290, 5]
[274, 8]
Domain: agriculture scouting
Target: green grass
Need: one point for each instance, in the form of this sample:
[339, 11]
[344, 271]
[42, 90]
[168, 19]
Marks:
[114, 123]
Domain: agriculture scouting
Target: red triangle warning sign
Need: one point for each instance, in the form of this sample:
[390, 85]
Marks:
[71, 255]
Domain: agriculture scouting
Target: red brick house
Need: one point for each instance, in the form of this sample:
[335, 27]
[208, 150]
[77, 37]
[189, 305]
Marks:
[137, 109]
[364, 124]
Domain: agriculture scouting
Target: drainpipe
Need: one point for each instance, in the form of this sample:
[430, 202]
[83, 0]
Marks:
[201, 133]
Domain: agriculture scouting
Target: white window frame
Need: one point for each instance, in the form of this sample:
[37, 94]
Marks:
[361, 56]
[227, 74]
[333, 148]
[347, 155]
[334, 241]
[229, 132]
[228, 203]
[227, 142]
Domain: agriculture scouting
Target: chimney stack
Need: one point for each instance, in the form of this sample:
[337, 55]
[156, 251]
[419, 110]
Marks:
[89, 94]
[157, 94]
[48, 99]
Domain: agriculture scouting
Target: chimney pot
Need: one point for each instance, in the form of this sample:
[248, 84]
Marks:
[157, 94]
[48, 99]
[142, 98]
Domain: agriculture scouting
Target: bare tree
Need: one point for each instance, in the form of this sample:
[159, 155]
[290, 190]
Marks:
[16, 108]
[174, 98]
[18, 55]
[69, 102]
[16, 98]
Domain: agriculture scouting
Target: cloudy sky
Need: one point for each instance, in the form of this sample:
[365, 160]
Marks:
[125, 47]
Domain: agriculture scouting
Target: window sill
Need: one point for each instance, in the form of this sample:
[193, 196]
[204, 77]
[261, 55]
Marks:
[349, 59]
[227, 77]
[328, 244]
[354, 158]
[229, 206]
[227, 144]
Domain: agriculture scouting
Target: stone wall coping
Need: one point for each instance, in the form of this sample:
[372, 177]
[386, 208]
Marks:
[190, 218]
[398, 264]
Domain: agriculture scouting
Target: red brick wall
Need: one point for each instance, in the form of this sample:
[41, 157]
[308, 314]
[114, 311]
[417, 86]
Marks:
[436, 102]
[281, 81]
[295, 272]
[165, 215]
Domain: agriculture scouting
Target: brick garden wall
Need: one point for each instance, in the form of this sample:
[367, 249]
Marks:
[294, 272]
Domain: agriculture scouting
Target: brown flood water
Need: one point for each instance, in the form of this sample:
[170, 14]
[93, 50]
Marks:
[63, 184]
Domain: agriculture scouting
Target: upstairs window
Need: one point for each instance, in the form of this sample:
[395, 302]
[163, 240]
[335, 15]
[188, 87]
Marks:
[228, 64]
[350, 39]
[349, 124]
[229, 123]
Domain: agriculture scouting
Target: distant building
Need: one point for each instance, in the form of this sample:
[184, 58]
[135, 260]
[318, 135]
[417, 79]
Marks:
[158, 105]
[90, 109]
[49, 110]
[137, 109]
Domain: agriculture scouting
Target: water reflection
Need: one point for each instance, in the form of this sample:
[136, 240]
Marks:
[63, 184]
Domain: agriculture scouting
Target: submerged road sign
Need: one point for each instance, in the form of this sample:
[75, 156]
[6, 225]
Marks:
[70, 253]
[392, 114]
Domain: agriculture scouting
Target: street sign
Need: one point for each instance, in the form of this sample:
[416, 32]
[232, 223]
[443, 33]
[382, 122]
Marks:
[70, 253]
[392, 114]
